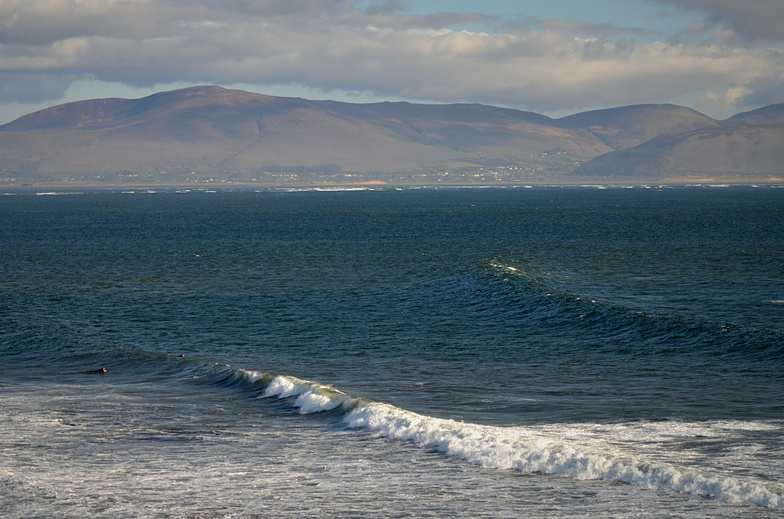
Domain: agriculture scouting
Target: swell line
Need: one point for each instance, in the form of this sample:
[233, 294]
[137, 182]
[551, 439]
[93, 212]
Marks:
[644, 327]
[525, 449]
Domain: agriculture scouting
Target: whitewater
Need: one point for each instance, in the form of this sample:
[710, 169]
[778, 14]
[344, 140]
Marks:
[535, 352]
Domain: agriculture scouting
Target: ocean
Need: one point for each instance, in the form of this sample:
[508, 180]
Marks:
[595, 351]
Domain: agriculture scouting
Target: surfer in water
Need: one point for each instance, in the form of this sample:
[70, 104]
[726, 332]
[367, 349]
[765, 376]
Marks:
[95, 371]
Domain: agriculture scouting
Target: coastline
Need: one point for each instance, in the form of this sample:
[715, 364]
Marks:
[92, 186]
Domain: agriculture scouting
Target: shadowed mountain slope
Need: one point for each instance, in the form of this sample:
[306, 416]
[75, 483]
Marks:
[208, 131]
[728, 152]
[747, 146]
[629, 126]
[772, 115]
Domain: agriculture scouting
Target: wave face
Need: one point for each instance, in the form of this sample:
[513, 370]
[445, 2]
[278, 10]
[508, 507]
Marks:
[515, 347]
[583, 451]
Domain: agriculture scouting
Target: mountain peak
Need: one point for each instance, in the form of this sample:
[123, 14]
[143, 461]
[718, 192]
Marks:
[204, 132]
[773, 114]
[101, 113]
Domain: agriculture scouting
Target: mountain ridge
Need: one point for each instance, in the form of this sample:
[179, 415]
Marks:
[747, 146]
[212, 133]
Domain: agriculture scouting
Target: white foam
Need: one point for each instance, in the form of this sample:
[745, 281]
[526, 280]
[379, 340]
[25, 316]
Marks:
[531, 450]
[282, 387]
[313, 402]
[609, 452]
[311, 397]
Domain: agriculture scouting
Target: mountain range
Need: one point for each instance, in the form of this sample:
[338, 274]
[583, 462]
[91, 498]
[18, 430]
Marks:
[209, 133]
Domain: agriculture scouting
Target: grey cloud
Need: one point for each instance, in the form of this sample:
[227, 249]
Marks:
[763, 91]
[36, 23]
[752, 20]
[274, 8]
[602, 30]
[338, 45]
[33, 87]
[386, 6]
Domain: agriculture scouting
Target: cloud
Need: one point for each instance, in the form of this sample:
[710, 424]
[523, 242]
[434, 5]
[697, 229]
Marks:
[760, 92]
[31, 87]
[602, 30]
[751, 20]
[385, 6]
[347, 46]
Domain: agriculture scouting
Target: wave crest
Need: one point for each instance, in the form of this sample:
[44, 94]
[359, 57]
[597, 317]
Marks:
[519, 448]
[311, 397]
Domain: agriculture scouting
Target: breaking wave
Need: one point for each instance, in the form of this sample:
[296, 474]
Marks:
[526, 449]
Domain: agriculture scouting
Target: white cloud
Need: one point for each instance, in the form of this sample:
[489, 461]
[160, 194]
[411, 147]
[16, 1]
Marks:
[338, 45]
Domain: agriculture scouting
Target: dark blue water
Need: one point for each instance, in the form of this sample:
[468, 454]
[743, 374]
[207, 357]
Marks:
[633, 328]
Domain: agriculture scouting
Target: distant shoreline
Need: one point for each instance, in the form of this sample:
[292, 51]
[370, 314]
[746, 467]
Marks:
[382, 184]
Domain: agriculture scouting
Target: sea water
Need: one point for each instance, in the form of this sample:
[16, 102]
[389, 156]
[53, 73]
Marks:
[543, 352]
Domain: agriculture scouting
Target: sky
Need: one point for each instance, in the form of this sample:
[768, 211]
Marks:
[553, 57]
